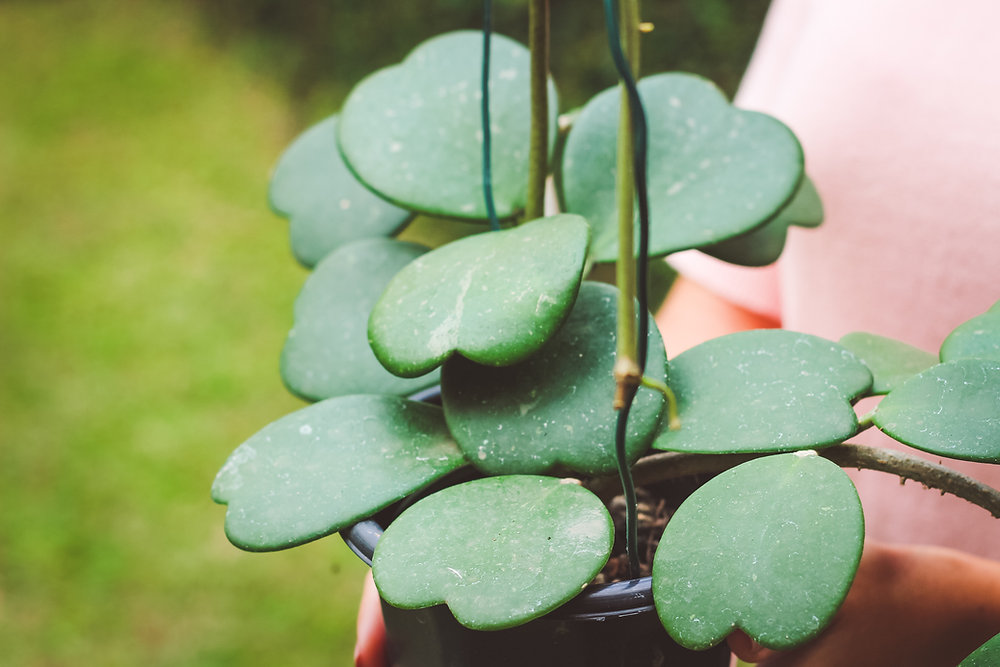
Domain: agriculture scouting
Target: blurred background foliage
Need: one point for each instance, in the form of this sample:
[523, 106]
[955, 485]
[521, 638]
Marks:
[145, 292]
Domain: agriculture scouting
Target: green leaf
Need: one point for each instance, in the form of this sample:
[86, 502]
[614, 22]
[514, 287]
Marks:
[979, 338]
[764, 245]
[329, 465]
[764, 391]
[891, 361]
[413, 132]
[499, 551]
[715, 171]
[952, 409]
[769, 547]
[327, 205]
[326, 353]
[554, 408]
[987, 655]
[494, 298]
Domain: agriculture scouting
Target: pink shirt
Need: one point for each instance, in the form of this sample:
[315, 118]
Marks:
[897, 105]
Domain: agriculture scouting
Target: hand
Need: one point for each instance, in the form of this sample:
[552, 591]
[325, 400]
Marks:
[914, 606]
[369, 651]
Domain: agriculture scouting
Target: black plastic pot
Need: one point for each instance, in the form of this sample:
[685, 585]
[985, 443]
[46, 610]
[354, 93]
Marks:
[607, 625]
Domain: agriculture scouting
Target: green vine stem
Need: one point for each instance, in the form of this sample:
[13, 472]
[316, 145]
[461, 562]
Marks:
[675, 465]
[538, 152]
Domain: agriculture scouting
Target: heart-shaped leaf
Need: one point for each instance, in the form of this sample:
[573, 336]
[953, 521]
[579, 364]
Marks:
[891, 361]
[769, 547]
[979, 338]
[413, 132]
[952, 409]
[554, 408]
[326, 353]
[715, 171]
[764, 245]
[326, 204]
[498, 551]
[329, 465]
[764, 391]
[494, 298]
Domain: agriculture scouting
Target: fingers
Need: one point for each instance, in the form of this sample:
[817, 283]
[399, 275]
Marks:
[746, 649]
[369, 651]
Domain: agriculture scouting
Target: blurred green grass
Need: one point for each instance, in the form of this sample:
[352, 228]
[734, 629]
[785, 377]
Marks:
[145, 290]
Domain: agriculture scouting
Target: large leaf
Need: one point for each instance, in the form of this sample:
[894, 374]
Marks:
[979, 338]
[770, 547]
[952, 409]
[329, 465]
[715, 171]
[413, 132]
[326, 353]
[764, 245]
[327, 206]
[764, 391]
[554, 408]
[498, 551]
[987, 655]
[494, 297]
[891, 361]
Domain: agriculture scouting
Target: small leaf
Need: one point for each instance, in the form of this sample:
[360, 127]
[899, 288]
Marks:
[770, 547]
[494, 298]
[715, 171]
[554, 408]
[329, 465]
[764, 245]
[952, 409]
[499, 551]
[327, 205]
[326, 353]
[764, 391]
[413, 132]
[891, 361]
[987, 655]
[979, 338]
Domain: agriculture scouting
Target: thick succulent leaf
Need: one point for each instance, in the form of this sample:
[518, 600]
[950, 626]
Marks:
[495, 298]
[413, 132]
[326, 204]
[764, 245]
[329, 465]
[554, 408]
[498, 551]
[764, 391]
[891, 361]
[326, 353]
[769, 547]
[715, 171]
[987, 655]
[979, 338]
[952, 409]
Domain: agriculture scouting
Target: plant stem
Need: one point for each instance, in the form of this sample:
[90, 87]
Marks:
[674, 465]
[538, 155]
[491, 213]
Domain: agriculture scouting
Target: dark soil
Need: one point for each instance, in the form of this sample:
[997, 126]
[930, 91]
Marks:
[653, 516]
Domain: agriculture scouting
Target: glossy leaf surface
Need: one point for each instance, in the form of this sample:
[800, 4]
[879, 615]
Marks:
[891, 361]
[769, 547]
[326, 353]
[764, 245]
[952, 409]
[715, 171]
[556, 406]
[764, 391]
[325, 203]
[498, 551]
[979, 338]
[987, 655]
[413, 132]
[495, 297]
[329, 465]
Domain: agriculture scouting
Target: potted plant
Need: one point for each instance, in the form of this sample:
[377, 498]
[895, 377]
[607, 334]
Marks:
[556, 395]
